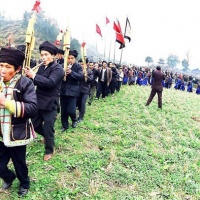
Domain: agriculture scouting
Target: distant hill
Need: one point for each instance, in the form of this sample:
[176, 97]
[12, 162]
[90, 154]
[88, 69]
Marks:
[13, 32]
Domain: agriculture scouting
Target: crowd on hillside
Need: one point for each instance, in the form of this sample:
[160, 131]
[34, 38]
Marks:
[142, 76]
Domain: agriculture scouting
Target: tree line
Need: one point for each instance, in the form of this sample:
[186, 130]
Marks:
[172, 61]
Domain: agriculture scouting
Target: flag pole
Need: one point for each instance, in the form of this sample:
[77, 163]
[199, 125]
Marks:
[98, 30]
[110, 50]
[114, 52]
[104, 50]
[122, 48]
[121, 56]
[97, 50]
[107, 30]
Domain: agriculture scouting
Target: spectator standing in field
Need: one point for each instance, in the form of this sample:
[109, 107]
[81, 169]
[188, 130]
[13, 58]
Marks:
[157, 86]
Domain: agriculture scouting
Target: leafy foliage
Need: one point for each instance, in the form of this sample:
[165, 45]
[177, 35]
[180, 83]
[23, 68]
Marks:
[161, 61]
[172, 60]
[185, 65]
[148, 59]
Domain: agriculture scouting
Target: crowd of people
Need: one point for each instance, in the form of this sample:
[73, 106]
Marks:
[143, 76]
[30, 101]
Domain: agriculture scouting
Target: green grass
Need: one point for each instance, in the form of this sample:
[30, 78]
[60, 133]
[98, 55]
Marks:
[122, 150]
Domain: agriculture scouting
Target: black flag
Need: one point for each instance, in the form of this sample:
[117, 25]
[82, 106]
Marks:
[127, 33]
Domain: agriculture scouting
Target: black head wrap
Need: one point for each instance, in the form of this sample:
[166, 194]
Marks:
[48, 46]
[60, 51]
[21, 47]
[86, 60]
[73, 53]
[12, 56]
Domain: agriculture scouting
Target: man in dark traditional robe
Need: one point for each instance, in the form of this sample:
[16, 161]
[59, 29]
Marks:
[48, 82]
[70, 90]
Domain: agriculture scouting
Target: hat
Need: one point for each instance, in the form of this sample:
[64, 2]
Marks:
[60, 51]
[48, 46]
[73, 53]
[12, 56]
[81, 60]
[21, 47]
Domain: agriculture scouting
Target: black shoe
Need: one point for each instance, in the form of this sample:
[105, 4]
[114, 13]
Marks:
[63, 129]
[74, 124]
[22, 191]
[6, 185]
[80, 120]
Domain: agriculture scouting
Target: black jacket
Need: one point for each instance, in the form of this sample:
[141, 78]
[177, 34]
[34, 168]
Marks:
[95, 77]
[23, 94]
[48, 83]
[71, 87]
[86, 85]
[114, 74]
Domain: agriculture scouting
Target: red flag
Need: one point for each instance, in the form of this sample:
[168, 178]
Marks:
[98, 30]
[119, 35]
[116, 28]
[57, 43]
[83, 44]
[119, 26]
[36, 6]
[107, 20]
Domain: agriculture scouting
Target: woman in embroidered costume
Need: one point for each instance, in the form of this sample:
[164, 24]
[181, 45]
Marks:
[17, 105]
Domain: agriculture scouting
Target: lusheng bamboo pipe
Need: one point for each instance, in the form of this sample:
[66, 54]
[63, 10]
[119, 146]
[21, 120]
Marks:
[1, 82]
[35, 69]
[83, 53]
[66, 48]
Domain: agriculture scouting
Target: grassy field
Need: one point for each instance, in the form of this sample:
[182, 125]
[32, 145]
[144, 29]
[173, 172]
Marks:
[123, 150]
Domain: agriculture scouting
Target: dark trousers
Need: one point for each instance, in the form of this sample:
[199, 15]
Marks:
[93, 90]
[43, 124]
[18, 156]
[153, 93]
[112, 87]
[118, 85]
[68, 109]
[81, 104]
[102, 89]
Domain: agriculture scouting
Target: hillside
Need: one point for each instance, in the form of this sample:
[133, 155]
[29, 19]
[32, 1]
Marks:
[122, 150]
[12, 32]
